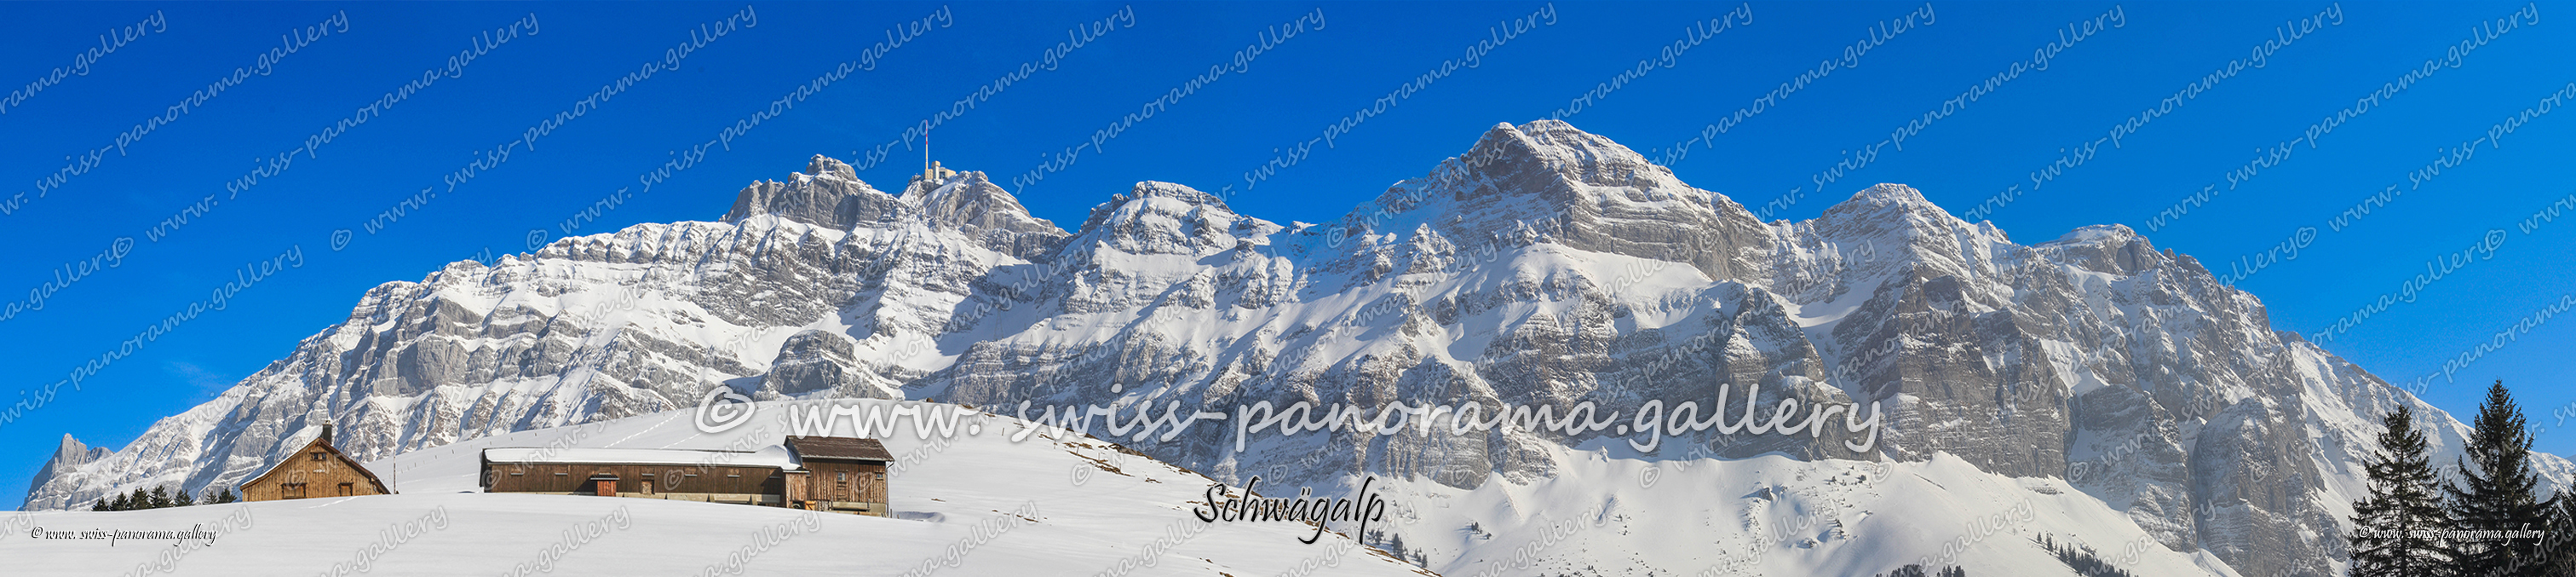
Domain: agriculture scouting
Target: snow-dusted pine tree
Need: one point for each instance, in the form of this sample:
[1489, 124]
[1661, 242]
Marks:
[2497, 494]
[2393, 525]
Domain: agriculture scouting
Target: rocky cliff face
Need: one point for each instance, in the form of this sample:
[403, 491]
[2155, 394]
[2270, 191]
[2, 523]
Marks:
[67, 460]
[1546, 267]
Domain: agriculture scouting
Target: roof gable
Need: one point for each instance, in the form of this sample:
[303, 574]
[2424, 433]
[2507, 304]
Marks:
[323, 443]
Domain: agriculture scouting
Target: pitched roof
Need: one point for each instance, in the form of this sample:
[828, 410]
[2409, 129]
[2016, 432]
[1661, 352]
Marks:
[322, 442]
[770, 456]
[838, 449]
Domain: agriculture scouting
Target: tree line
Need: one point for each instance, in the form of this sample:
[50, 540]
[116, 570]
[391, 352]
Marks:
[2483, 517]
[160, 497]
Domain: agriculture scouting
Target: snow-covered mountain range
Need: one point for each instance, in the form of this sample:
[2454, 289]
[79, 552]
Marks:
[1545, 267]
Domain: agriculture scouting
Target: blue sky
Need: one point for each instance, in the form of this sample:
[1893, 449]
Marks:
[1349, 56]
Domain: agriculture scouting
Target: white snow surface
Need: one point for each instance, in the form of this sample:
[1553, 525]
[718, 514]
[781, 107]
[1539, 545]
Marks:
[962, 508]
[1771, 515]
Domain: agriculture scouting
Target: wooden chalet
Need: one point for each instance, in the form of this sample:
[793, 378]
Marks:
[818, 473]
[840, 474]
[317, 470]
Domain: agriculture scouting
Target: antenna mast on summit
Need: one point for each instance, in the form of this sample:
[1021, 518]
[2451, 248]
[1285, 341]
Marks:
[927, 176]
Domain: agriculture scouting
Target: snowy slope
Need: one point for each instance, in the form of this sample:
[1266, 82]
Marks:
[968, 505]
[1772, 516]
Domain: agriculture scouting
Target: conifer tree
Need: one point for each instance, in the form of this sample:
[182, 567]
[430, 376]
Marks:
[120, 504]
[2081, 558]
[2561, 545]
[140, 501]
[2496, 494]
[180, 498]
[160, 498]
[2390, 523]
[100, 506]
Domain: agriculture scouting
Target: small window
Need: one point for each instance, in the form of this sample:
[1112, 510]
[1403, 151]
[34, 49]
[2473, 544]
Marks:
[518, 473]
[880, 476]
[317, 456]
[733, 476]
[844, 475]
[562, 474]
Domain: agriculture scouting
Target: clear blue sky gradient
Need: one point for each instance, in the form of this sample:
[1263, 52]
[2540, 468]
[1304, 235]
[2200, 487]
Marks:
[1213, 137]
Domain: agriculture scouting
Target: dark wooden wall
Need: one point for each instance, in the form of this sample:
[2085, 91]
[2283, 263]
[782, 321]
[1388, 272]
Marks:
[575, 478]
[865, 482]
[819, 486]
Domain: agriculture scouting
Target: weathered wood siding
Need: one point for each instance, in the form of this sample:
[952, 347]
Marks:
[846, 486]
[632, 479]
[311, 473]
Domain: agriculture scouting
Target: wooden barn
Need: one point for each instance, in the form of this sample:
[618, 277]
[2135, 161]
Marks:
[745, 477]
[317, 470]
[819, 473]
[840, 474]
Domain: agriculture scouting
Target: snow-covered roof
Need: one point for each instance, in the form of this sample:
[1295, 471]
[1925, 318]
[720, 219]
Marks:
[838, 449]
[770, 456]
